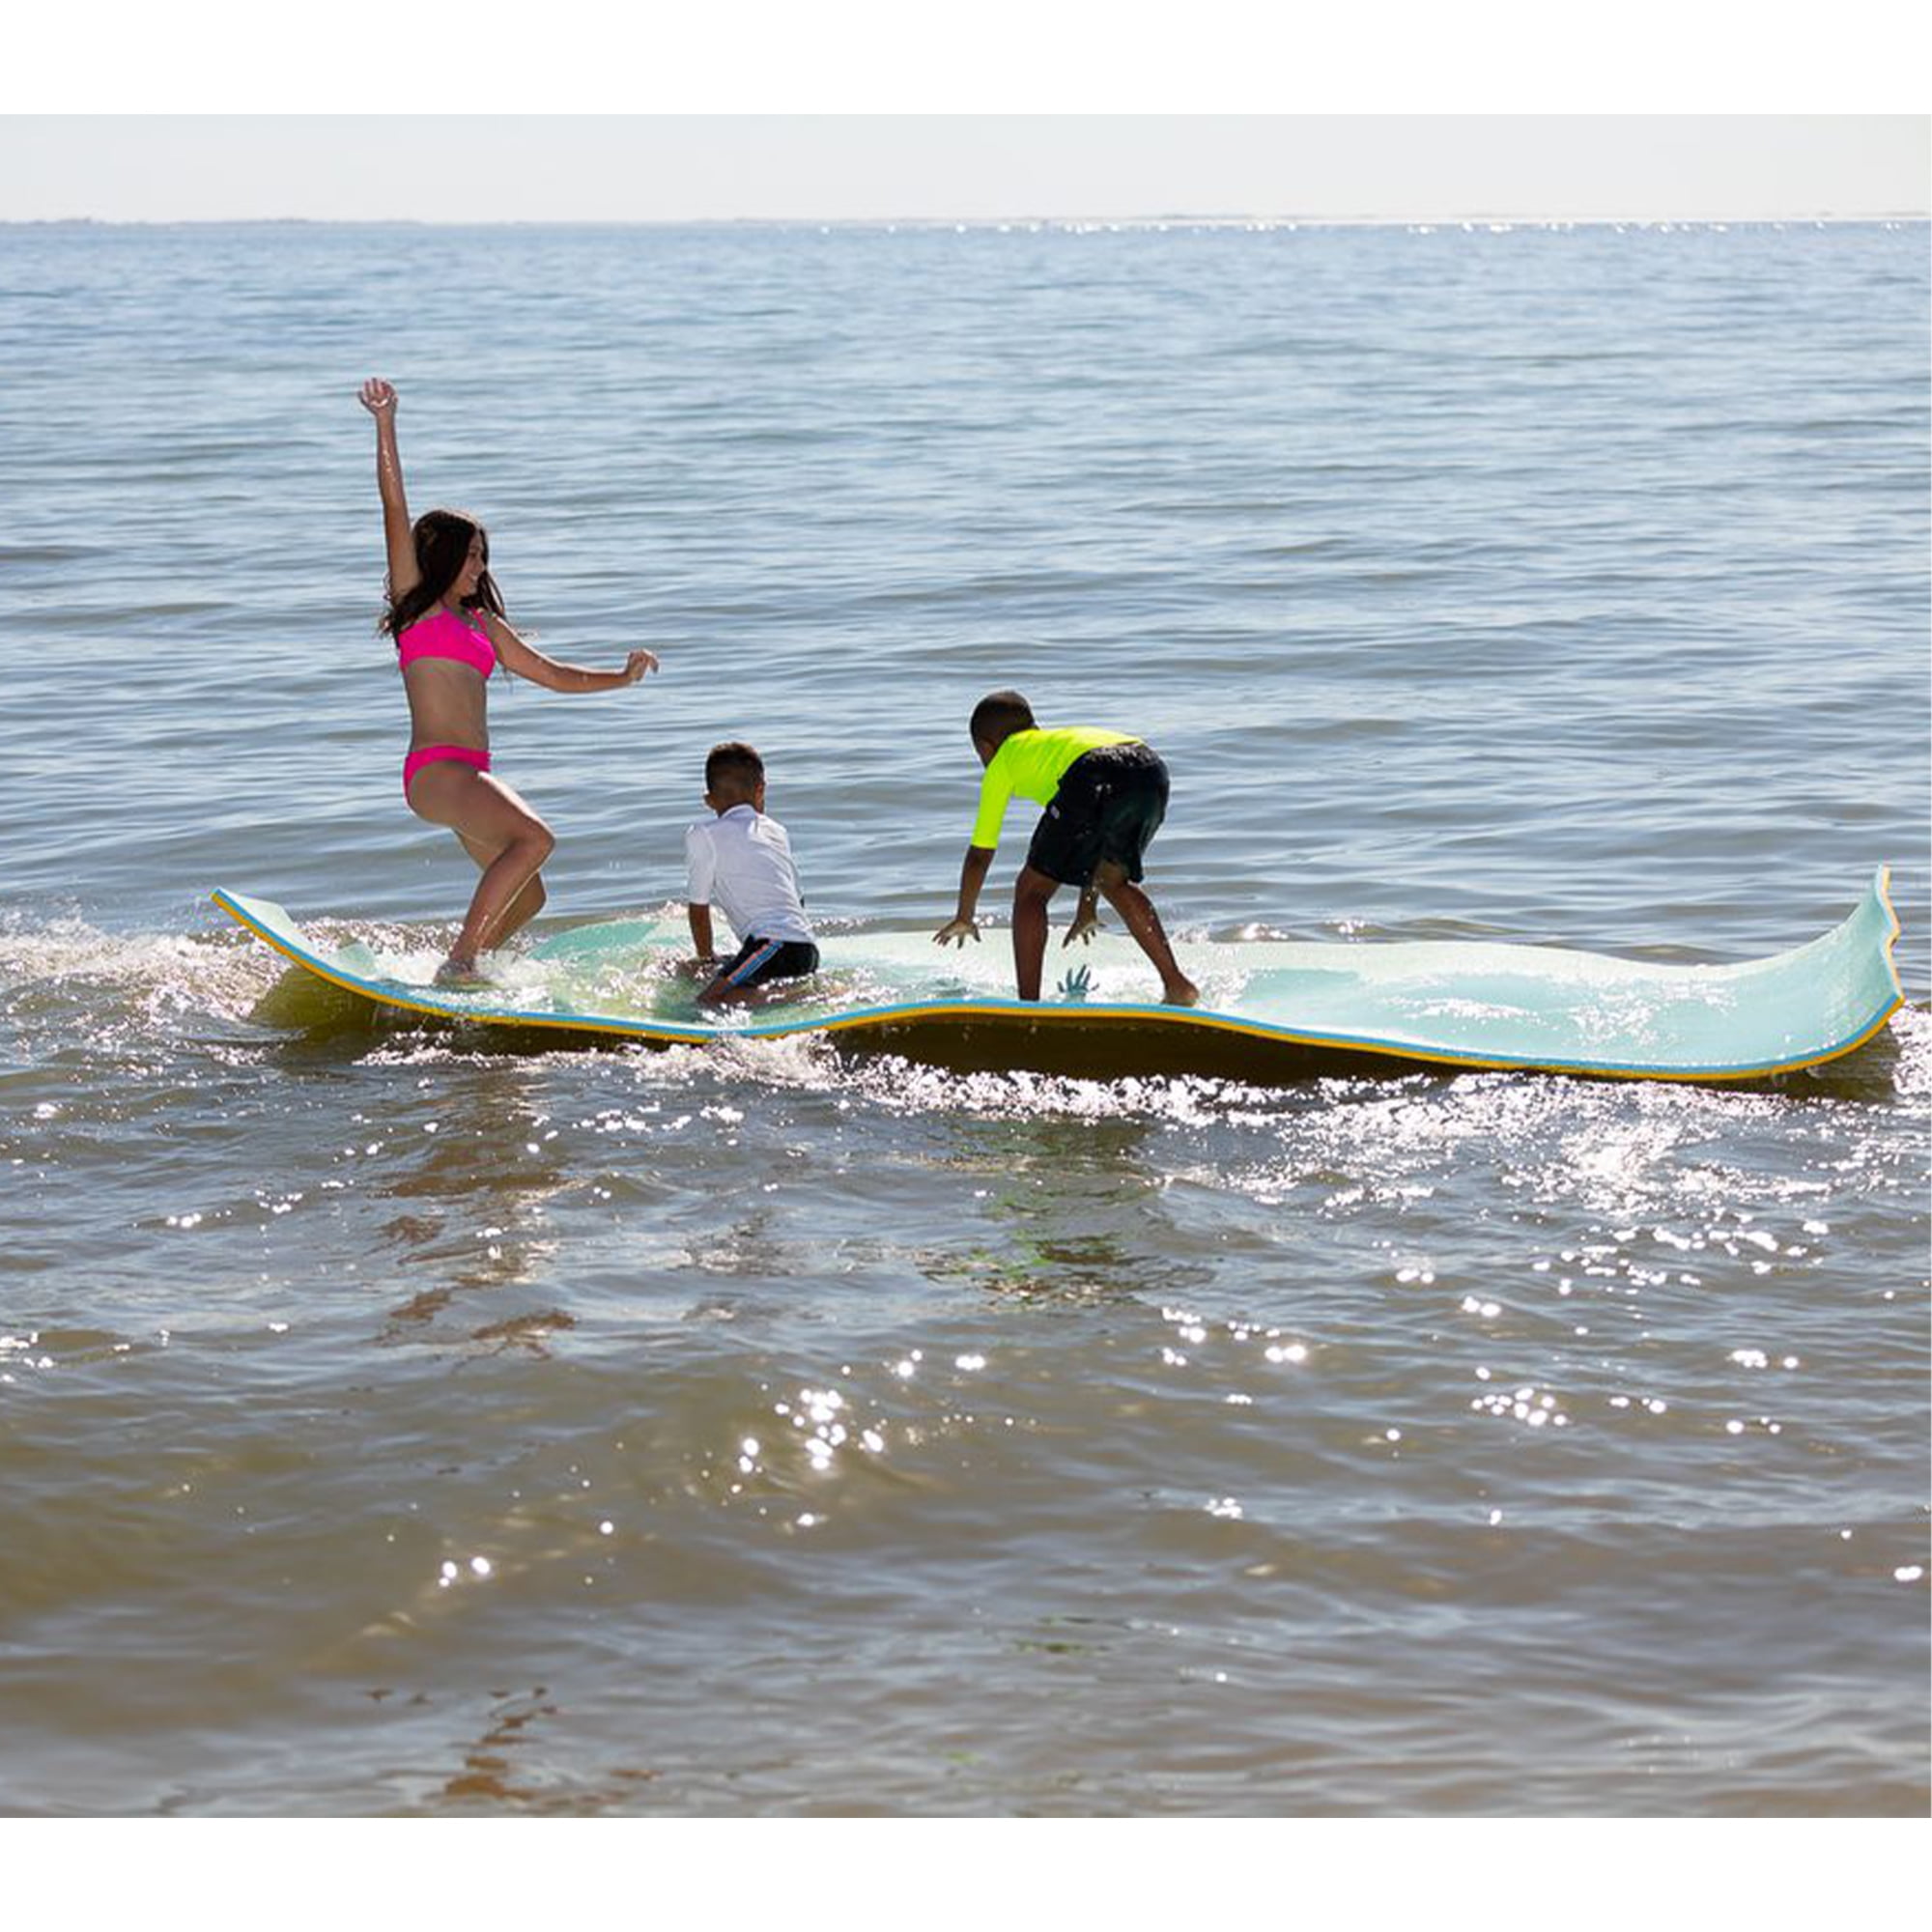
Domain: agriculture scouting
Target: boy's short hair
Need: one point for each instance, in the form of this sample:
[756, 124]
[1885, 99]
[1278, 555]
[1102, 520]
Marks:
[733, 770]
[999, 715]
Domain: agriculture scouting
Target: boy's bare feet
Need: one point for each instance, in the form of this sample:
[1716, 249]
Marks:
[1181, 993]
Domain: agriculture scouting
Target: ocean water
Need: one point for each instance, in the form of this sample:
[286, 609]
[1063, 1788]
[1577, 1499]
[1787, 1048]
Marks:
[395, 1420]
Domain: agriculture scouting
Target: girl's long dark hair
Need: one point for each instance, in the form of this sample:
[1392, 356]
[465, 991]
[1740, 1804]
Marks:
[442, 548]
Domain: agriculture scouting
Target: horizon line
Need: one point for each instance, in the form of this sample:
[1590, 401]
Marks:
[1469, 219]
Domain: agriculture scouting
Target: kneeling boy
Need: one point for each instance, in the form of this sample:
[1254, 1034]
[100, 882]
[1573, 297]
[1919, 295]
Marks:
[742, 861]
[1105, 796]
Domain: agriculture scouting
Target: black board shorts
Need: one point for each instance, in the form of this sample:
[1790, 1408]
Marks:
[1110, 804]
[758, 960]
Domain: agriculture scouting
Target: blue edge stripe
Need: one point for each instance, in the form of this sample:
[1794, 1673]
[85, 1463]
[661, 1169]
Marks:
[672, 1032]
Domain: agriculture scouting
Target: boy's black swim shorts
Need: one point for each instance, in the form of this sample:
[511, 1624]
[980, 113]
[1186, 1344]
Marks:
[1110, 804]
[760, 961]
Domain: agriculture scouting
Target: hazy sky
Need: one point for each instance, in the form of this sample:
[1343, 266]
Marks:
[456, 167]
[658, 110]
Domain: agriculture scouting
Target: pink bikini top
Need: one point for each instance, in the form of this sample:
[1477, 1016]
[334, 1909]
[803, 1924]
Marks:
[444, 634]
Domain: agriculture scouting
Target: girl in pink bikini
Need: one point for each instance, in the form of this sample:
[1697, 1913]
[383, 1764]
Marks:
[447, 620]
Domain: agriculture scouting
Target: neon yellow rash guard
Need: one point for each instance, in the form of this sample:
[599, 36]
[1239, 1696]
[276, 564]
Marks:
[1032, 763]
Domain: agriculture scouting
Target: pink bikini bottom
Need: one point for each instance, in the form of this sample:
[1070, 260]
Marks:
[434, 755]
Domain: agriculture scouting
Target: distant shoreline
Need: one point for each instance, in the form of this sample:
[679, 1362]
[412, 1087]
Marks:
[1001, 224]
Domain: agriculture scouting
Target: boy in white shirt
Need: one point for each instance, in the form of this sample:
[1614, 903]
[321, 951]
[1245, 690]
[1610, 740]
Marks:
[742, 861]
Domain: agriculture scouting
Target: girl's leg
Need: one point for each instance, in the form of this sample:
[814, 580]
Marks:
[520, 910]
[1137, 912]
[505, 838]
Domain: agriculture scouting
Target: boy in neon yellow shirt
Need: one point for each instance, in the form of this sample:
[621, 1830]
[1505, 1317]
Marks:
[1105, 796]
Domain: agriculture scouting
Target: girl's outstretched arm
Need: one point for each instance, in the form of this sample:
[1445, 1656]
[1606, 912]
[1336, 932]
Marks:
[378, 398]
[527, 661]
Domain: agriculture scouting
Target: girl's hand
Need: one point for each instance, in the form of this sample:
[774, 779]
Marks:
[379, 397]
[636, 664]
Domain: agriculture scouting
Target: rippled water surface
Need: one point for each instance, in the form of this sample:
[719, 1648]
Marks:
[404, 1420]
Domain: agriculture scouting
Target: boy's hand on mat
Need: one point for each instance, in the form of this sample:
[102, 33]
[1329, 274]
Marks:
[1077, 984]
[956, 929]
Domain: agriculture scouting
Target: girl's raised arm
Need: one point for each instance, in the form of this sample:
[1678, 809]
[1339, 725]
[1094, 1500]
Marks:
[378, 398]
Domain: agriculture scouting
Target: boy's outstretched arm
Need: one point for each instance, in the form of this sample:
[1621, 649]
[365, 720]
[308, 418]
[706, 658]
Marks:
[972, 876]
[700, 934]
[1086, 917]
